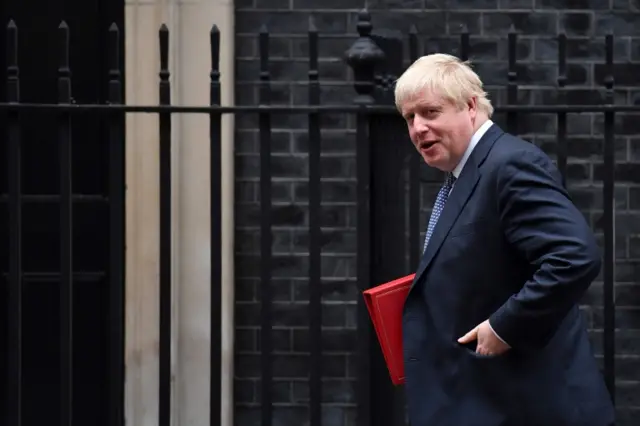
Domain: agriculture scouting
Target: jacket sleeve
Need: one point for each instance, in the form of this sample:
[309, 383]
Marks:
[540, 221]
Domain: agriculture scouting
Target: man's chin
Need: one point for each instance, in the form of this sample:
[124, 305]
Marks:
[434, 163]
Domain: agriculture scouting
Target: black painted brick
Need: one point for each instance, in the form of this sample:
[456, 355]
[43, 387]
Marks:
[438, 22]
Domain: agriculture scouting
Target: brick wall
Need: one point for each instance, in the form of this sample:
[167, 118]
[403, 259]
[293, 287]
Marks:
[538, 22]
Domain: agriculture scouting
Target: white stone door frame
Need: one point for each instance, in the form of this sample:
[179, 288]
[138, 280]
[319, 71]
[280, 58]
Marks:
[189, 23]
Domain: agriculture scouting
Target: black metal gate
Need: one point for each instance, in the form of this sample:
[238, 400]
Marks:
[61, 209]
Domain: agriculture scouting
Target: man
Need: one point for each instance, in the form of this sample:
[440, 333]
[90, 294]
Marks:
[491, 328]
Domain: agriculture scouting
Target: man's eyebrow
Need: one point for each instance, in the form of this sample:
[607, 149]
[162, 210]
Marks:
[428, 105]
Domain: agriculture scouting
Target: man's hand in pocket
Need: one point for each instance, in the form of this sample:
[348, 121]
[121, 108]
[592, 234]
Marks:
[488, 342]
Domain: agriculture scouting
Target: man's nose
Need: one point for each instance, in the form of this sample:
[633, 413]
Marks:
[420, 124]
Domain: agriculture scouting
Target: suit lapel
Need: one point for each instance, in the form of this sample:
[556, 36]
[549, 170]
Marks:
[458, 198]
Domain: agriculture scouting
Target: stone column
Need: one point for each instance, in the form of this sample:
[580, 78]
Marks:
[189, 23]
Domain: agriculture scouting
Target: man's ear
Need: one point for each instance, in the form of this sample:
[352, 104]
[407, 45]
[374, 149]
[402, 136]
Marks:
[472, 103]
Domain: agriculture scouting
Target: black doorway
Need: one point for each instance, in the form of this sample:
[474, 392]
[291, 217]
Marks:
[93, 384]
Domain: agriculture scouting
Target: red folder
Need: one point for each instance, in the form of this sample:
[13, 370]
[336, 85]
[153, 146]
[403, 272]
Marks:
[385, 303]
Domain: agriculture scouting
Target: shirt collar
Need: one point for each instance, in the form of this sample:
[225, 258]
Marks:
[472, 144]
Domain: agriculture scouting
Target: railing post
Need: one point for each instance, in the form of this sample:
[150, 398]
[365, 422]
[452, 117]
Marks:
[15, 282]
[609, 219]
[562, 149]
[215, 196]
[117, 231]
[266, 239]
[166, 241]
[315, 235]
[512, 84]
[415, 162]
[362, 57]
[66, 231]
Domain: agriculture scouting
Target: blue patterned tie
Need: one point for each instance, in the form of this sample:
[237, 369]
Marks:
[438, 206]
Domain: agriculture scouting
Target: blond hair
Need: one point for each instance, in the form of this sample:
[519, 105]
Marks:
[444, 75]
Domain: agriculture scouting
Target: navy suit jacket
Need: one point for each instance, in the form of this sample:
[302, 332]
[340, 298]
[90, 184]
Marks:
[510, 247]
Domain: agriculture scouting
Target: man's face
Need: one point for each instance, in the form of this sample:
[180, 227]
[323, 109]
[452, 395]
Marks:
[439, 130]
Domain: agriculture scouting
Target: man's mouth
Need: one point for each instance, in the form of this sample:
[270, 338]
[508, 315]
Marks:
[427, 145]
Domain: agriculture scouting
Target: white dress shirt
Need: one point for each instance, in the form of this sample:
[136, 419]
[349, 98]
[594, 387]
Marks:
[474, 141]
